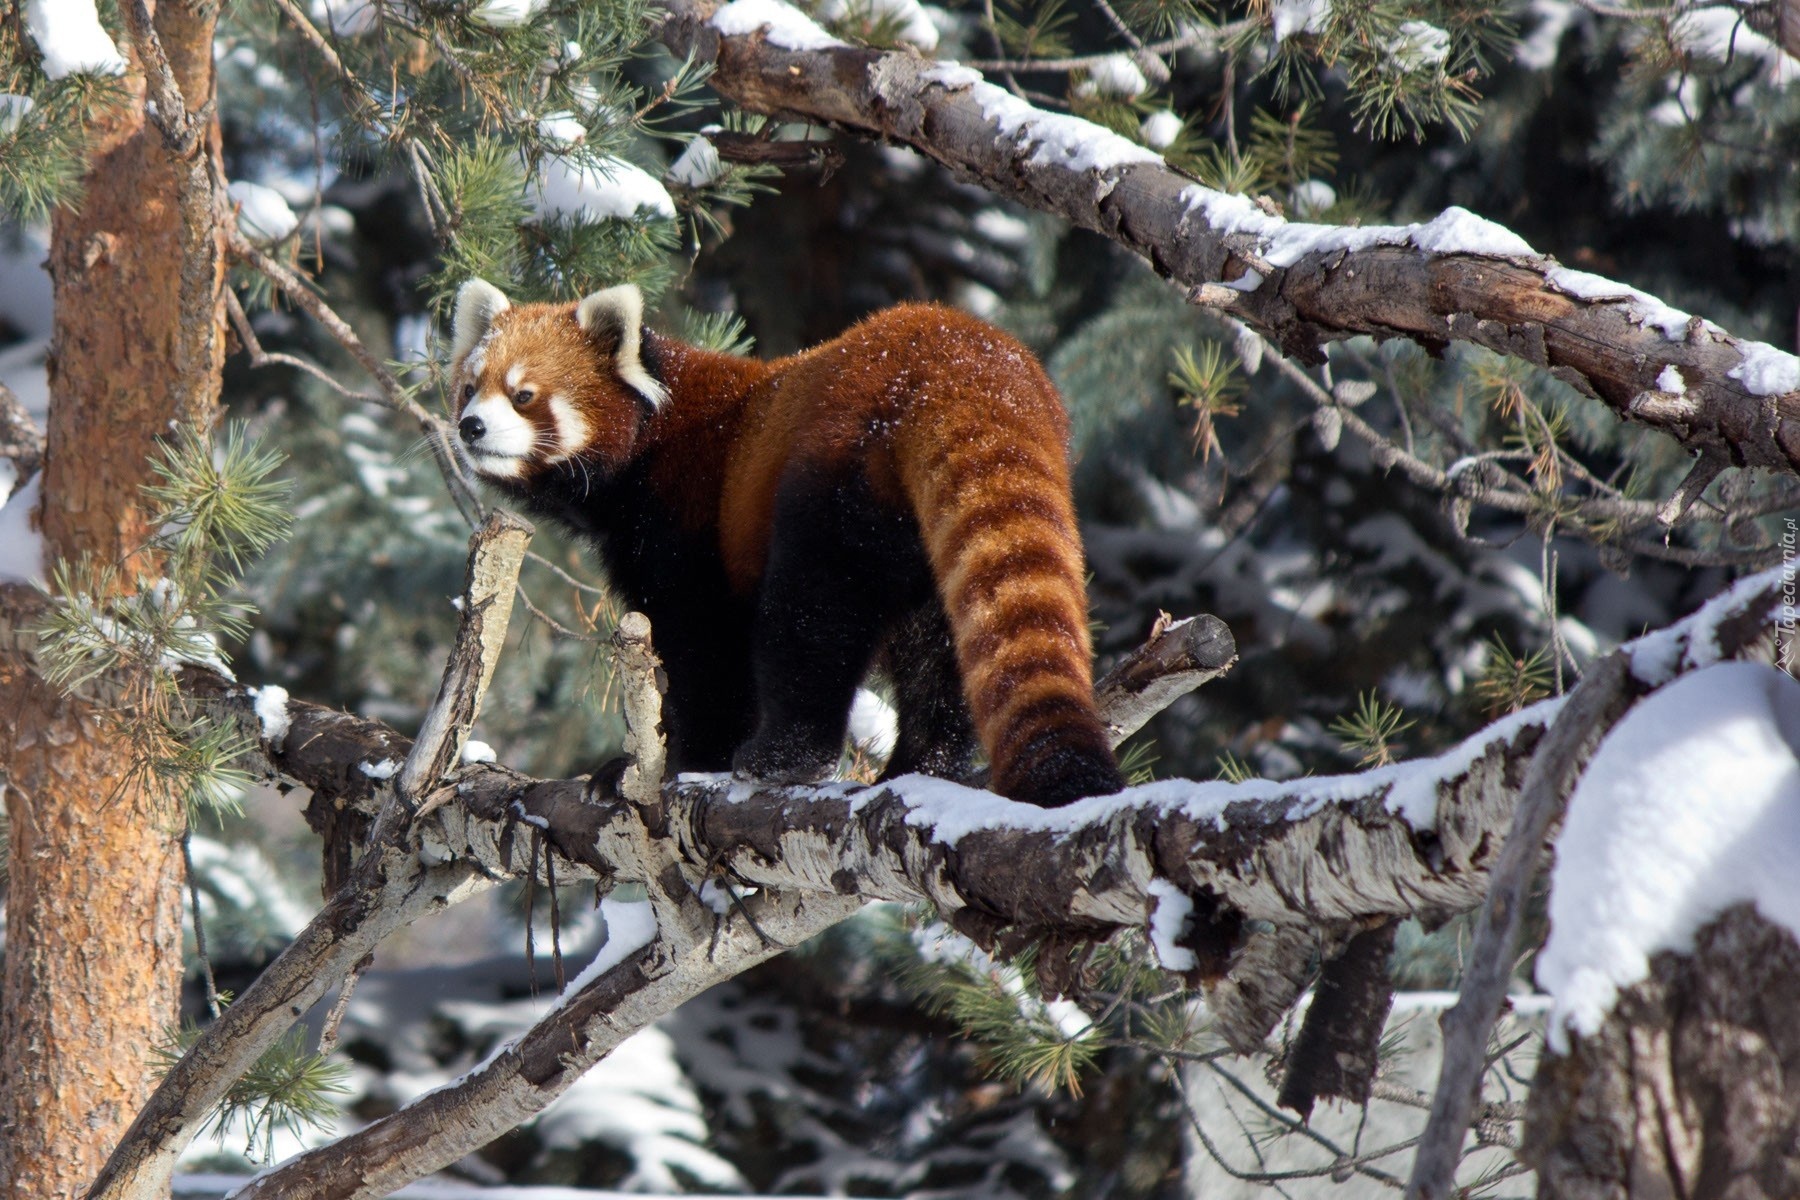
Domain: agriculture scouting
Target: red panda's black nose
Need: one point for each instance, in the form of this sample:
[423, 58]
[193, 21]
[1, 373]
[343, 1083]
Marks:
[472, 429]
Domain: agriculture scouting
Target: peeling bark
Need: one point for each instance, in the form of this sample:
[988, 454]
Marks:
[1511, 305]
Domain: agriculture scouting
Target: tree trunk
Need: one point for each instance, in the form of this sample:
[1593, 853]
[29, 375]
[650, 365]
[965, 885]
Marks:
[1692, 1086]
[93, 955]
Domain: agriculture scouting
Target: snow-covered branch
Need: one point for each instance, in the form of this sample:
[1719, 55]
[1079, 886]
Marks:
[1235, 884]
[1456, 278]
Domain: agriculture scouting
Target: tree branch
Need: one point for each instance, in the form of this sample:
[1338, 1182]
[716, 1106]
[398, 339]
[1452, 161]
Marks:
[394, 883]
[1417, 838]
[1457, 278]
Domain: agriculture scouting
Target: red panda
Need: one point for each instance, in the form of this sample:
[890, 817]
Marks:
[897, 497]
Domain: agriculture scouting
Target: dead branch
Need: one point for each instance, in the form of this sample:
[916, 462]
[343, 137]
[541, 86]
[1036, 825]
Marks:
[1605, 339]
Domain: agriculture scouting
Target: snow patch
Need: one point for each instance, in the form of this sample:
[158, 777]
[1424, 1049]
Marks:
[1766, 371]
[21, 545]
[1283, 243]
[13, 111]
[697, 166]
[1720, 34]
[908, 17]
[874, 725]
[952, 77]
[1643, 308]
[381, 770]
[1690, 806]
[475, 751]
[505, 14]
[1115, 75]
[1669, 380]
[562, 129]
[1170, 911]
[1049, 138]
[72, 40]
[346, 18]
[781, 24]
[630, 926]
[599, 190]
[1160, 129]
[1537, 50]
[263, 212]
[1298, 16]
[272, 712]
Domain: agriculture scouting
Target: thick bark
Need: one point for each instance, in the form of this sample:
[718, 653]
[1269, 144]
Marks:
[1400, 283]
[1690, 1088]
[93, 958]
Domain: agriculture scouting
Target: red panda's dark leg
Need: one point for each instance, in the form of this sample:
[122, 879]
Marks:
[825, 599]
[709, 702]
[936, 736]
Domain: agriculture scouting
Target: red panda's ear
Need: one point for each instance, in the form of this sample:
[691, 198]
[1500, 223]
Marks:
[614, 318]
[478, 302]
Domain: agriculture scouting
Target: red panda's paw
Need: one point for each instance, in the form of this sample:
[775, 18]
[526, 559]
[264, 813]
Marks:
[785, 759]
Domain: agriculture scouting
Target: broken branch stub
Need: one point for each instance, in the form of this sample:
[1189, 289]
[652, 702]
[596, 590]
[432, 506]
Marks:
[496, 552]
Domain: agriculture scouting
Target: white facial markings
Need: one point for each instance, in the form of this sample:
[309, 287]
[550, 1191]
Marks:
[507, 438]
[573, 433]
[515, 375]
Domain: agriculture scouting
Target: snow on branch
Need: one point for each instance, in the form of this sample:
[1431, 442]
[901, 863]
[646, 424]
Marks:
[1455, 278]
[1231, 880]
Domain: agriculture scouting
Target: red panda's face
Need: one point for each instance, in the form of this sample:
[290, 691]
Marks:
[541, 384]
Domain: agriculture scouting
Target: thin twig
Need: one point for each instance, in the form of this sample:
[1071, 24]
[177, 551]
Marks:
[193, 887]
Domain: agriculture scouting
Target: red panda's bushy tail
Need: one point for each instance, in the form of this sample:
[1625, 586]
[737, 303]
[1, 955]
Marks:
[993, 505]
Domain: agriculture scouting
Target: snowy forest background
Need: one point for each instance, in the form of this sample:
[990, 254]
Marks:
[1378, 618]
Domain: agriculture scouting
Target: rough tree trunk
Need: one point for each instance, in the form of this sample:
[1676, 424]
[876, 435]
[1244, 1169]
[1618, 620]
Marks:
[1692, 1086]
[93, 956]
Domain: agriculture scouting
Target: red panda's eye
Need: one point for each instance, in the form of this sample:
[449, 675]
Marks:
[468, 392]
[522, 397]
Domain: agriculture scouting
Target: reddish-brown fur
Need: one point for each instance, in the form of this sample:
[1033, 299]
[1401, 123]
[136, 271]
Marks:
[944, 416]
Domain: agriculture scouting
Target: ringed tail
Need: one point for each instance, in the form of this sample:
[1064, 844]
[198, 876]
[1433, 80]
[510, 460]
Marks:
[999, 529]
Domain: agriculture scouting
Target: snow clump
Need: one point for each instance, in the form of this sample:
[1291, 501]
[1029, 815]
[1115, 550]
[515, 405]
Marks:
[263, 213]
[1298, 16]
[1419, 46]
[1160, 129]
[1690, 807]
[272, 712]
[782, 25]
[475, 751]
[505, 14]
[1115, 75]
[908, 17]
[1766, 371]
[72, 40]
[599, 190]
[562, 129]
[697, 165]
